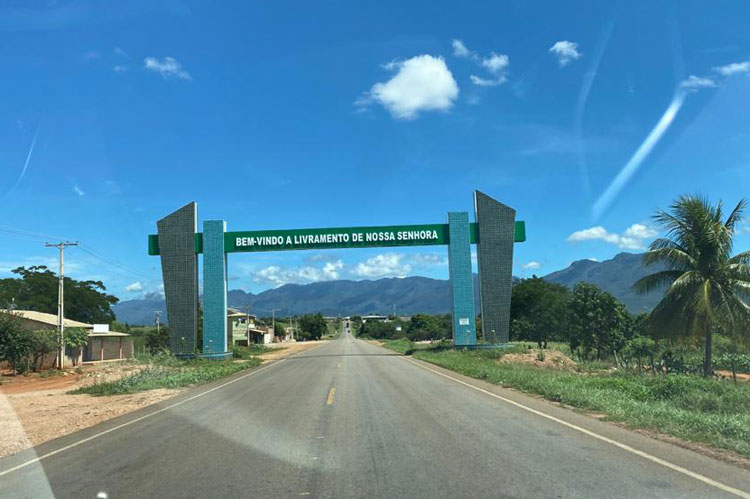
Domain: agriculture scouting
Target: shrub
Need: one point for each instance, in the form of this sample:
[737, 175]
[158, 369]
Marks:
[15, 342]
[76, 338]
[43, 342]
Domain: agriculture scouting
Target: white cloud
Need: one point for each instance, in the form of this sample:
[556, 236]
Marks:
[565, 52]
[383, 265]
[167, 67]
[733, 68]
[425, 259]
[496, 63]
[640, 231]
[119, 68]
[78, 190]
[330, 269]
[422, 83]
[697, 82]
[484, 82]
[531, 265]
[634, 238]
[278, 276]
[460, 50]
[136, 286]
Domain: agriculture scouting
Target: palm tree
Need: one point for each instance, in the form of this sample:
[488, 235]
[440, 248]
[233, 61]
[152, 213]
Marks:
[705, 284]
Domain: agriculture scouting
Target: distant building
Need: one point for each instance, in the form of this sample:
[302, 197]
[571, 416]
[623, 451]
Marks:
[375, 318]
[242, 329]
[103, 345]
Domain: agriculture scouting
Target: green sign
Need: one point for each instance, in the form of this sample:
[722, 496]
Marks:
[342, 237]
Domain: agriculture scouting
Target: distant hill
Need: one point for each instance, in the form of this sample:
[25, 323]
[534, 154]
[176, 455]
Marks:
[616, 276]
[409, 295]
[141, 311]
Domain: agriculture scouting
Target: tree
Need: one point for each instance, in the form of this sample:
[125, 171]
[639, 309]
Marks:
[641, 347]
[15, 341]
[312, 327]
[597, 321]
[36, 289]
[429, 327]
[76, 338]
[379, 330]
[537, 310]
[704, 284]
[157, 341]
[43, 342]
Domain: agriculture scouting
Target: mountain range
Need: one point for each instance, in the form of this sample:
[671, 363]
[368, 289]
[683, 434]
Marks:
[402, 296]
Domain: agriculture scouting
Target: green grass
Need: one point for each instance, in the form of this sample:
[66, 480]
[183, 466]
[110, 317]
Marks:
[49, 373]
[401, 345]
[690, 407]
[169, 373]
[334, 330]
[241, 352]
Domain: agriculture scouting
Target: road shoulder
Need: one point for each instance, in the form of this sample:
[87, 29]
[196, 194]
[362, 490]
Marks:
[661, 450]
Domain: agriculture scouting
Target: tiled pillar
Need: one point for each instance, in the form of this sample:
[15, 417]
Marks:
[496, 225]
[214, 290]
[462, 285]
[179, 267]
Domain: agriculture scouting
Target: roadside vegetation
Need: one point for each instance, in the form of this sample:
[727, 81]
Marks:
[681, 370]
[166, 371]
[243, 352]
[690, 407]
[420, 327]
[311, 327]
[335, 329]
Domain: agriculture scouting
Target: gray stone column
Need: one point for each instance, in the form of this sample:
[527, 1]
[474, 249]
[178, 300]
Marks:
[496, 233]
[179, 268]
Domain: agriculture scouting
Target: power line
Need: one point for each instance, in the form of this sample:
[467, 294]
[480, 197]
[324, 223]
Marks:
[28, 233]
[86, 249]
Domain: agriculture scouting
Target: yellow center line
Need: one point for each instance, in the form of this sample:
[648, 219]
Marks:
[330, 396]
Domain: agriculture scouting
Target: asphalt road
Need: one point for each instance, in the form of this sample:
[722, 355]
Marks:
[350, 419]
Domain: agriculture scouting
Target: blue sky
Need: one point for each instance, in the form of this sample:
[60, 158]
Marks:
[584, 117]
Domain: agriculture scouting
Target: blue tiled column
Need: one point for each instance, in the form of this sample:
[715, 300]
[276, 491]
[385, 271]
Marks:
[214, 290]
[462, 285]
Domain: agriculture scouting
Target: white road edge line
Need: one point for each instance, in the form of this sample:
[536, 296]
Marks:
[159, 411]
[645, 455]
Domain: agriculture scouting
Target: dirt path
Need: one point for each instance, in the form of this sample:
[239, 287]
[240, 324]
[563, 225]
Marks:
[34, 410]
[289, 349]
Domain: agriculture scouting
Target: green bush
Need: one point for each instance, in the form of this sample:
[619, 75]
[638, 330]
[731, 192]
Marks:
[15, 342]
[189, 373]
[240, 352]
[725, 360]
[43, 342]
[76, 338]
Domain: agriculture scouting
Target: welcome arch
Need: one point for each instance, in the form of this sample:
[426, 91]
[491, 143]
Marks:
[179, 243]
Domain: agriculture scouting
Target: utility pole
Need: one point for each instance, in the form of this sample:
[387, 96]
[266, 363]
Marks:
[60, 300]
[157, 316]
[273, 320]
[247, 319]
